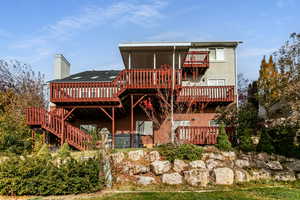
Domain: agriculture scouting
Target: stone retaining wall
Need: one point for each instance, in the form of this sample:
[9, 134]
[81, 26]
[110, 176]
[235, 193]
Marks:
[221, 168]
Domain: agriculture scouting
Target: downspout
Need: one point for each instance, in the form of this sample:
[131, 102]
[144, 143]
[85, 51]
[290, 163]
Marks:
[172, 97]
[236, 77]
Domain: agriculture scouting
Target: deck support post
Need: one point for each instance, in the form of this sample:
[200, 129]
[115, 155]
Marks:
[113, 127]
[62, 140]
[131, 121]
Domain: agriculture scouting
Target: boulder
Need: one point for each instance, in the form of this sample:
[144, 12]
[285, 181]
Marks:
[241, 163]
[260, 174]
[122, 179]
[160, 167]
[262, 156]
[224, 176]
[241, 175]
[216, 156]
[197, 164]
[179, 165]
[284, 176]
[260, 164]
[172, 179]
[274, 165]
[197, 177]
[136, 155]
[230, 155]
[145, 180]
[133, 169]
[117, 157]
[298, 176]
[295, 165]
[153, 156]
[211, 164]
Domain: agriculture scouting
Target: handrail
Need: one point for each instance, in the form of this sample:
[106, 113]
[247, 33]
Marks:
[55, 124]
[207, 93]
[199, 134]
[109, 91]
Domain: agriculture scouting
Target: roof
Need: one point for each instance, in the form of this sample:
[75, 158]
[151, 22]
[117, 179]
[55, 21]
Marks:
[171, 45]
[91, 76]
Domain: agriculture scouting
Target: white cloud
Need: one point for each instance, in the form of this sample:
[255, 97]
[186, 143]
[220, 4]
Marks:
[50, 36]
[178, 36]
[284, 3]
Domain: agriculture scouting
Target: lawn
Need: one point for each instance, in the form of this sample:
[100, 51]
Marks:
[278, 191]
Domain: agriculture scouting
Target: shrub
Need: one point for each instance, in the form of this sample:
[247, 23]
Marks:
[245, 141]
[222, 139]
[265, 143]
[39, 175]
[182, 152]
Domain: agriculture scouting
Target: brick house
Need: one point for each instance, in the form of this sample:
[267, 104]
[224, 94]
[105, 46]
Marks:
[167, 91]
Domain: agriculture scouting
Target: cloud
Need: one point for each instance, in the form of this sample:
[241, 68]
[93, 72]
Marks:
[178, 36]
[125, 12]
[284, 3]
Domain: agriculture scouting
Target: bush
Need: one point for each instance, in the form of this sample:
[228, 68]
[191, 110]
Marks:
[39, 175]
[265, 143]
[245, 141]
[183, 152]
[222, 140]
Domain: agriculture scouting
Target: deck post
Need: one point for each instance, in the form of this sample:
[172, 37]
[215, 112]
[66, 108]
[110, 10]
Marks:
[62, 140]
[131, 122]
[113, 127]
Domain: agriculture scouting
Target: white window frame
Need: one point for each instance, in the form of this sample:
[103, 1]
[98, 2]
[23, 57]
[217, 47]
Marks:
[219, 53]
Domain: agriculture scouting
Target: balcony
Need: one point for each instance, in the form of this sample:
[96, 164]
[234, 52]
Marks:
[206, 94]
[109, 91]
[196, 59]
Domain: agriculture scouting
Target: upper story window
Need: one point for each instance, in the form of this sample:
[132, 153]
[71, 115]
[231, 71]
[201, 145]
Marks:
[216, 54]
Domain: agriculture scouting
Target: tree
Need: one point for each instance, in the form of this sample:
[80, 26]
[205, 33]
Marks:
[20, 88]
[222, 139]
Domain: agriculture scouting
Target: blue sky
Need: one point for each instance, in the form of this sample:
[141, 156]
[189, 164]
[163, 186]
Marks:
[87, 32]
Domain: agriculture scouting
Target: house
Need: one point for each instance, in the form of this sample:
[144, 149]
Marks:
[167, 91]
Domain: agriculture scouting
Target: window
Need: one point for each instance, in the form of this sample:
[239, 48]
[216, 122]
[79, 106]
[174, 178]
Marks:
[216, 82]
[89, 128]
[144, 127]
[213, 123]
[216, 54]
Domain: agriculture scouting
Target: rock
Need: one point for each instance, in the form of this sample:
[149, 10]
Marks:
[117, 157]
[122, 179]
[216, 156]
[133, 169]
[263, 156]
[172, 179]
[298, 176]
[145, 180]
[241, 163]
[197, 177]
[197, 164]
[230, 155]
[160, 167]
[295, 165]
[274, 165]
[241, 176]
[259, 174]
[284, 176]
[135, 155]
[260, 164]
[211, 164]
[179, 165]
[224, 176]
[153, 156]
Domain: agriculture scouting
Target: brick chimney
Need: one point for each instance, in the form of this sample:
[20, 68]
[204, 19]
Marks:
[61, 67]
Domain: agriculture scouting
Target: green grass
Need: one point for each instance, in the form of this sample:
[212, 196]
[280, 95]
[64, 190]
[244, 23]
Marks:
[248, 191]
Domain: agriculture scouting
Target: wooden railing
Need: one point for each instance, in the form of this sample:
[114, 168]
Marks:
[109, 91]
[206, 93]
[197, 59]
[55, 124]
[199, 134]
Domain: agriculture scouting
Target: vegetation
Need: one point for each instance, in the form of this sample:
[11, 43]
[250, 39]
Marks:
[20, 88]
[42, 174]
[182, 152]
[223, 142]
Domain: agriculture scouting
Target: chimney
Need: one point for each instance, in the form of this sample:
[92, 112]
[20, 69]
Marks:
[61, 67]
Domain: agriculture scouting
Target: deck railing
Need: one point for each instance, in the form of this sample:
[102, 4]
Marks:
[206, 93]
[196, 59]
[55, 124]
[199, 134]
[109, 91]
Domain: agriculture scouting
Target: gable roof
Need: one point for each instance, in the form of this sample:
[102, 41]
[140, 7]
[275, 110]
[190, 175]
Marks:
[91, 76]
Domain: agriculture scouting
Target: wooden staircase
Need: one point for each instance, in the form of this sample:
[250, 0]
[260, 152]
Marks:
[55, 124]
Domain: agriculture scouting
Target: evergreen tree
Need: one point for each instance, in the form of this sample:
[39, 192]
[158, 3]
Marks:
[222, 139]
